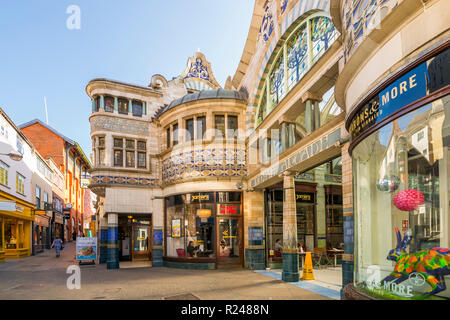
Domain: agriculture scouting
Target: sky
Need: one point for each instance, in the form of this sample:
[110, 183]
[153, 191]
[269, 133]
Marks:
[128, 41]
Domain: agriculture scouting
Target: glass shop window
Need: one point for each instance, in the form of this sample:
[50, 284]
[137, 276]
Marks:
[401, 206]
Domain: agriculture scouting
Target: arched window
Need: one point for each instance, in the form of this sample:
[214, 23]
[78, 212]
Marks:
[297, 50]
[303, 47]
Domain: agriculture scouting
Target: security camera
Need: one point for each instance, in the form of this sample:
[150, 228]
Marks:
[239, 185]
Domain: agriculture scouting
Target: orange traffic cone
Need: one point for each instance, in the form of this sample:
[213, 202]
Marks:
[308, 268]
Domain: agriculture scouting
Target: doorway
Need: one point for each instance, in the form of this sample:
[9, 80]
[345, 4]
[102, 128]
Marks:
[229, 245]
[141, 242]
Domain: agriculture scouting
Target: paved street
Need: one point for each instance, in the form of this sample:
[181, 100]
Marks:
[44, 277]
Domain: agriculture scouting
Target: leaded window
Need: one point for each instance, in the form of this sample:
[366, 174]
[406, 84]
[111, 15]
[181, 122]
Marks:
[323, 34]
[277, 83]
[297, 59]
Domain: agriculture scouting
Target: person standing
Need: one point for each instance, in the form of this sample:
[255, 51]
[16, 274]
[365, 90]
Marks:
[57, 244]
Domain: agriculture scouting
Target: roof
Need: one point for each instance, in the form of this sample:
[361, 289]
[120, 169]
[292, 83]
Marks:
[70, 141]
[202, 95]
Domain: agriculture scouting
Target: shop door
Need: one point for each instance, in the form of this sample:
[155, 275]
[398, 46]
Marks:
[141, 242]
[229, 241]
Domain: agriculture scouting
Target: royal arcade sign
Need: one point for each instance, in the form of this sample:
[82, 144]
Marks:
[421, 81]
[320, 144]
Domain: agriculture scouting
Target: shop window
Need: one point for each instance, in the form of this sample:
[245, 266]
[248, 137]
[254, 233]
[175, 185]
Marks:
[201, 127]
[109, 104]
[123, 106]
[199, 231]
[20, 183]
[175, 231]
[137, 108]
[189, 130]
[14, 234]
[4, 169]
[401, 206]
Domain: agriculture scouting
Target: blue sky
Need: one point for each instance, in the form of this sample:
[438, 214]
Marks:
[122, 40]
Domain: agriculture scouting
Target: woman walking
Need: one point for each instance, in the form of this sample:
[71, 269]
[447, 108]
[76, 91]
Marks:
[57, 243]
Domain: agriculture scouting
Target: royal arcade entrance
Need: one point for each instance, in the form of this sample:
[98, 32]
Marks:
[303, 200]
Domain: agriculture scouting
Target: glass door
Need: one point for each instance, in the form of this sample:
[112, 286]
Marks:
[229, 244]
[141, 246]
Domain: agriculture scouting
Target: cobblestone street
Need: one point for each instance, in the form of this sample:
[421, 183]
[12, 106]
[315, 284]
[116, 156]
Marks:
[44, 277]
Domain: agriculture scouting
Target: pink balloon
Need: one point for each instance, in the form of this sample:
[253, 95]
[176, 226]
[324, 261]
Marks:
[409, 200]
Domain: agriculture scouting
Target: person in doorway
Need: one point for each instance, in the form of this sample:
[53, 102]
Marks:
[58, 245]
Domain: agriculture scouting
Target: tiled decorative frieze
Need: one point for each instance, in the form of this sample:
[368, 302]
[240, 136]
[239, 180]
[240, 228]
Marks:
[360, 17]
[118, 125]
[204, 163]
[124, 181]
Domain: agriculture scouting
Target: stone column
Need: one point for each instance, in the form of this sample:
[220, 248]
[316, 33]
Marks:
[309, 124]
[291, 134]
[102, 102]
[113, 242]
[284, 136]
[316, 115]
[116, 104]
[289, 252]
[253, 228]
[130, 106]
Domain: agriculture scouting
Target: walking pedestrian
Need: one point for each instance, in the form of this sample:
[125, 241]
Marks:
[58, 244]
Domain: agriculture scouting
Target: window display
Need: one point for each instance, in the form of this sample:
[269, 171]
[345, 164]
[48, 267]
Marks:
[400, 174]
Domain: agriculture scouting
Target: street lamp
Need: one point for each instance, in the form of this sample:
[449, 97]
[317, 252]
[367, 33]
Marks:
[16, 156]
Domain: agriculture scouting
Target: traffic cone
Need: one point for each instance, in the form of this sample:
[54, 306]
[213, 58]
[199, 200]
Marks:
[308, 268]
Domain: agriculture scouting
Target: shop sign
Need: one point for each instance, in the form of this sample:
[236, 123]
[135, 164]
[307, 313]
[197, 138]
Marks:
[202, 197]
[7, 205]
[86, 248]
[307, 197]
[229, 209]
[322, 143]
[176, 228]
[59, 218]
[421, 81]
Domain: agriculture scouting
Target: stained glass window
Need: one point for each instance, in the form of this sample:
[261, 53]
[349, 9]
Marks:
[277, 83]
[297, 56]
[323, 35]
[262, 108]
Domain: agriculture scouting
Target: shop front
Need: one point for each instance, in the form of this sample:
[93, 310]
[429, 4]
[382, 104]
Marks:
[58, 225]
[135, 237]
[204, 230]
[41, 232]
[319, 213]
[15, 225]
[400, 140]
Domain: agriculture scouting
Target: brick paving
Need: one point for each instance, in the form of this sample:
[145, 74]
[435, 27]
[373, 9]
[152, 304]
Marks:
[44, 277]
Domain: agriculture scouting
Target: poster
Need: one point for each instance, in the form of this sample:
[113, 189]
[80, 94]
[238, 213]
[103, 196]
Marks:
[176, 228]
[157, 237]
[255, 236]
[86, 248]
